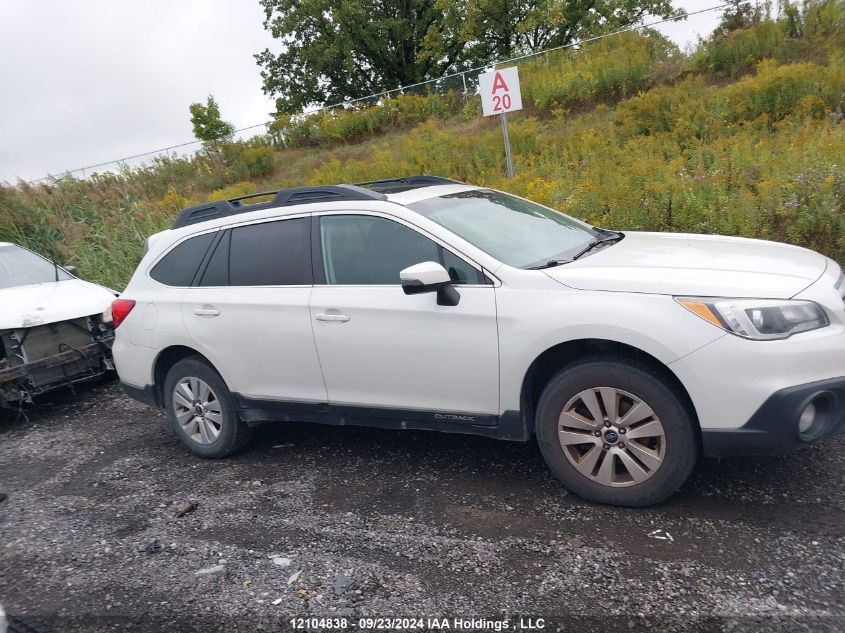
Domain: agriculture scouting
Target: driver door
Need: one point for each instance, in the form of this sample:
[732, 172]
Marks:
[379, 347]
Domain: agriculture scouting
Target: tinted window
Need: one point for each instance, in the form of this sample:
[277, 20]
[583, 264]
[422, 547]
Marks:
[179, 266]
[361, 249]
[217, 271]
[459, 271]
[270, 254]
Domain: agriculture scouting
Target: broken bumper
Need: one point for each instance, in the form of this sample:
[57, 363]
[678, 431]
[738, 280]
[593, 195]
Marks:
[81, 361]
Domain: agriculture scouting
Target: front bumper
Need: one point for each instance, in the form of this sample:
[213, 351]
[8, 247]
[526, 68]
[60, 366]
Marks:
[773, 429]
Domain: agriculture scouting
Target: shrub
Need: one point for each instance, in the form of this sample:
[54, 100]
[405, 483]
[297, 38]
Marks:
[776, 91]
[811, 33]
[345, 125]
[232, 191]
[740, 51]
[258, 161]
[608, 70]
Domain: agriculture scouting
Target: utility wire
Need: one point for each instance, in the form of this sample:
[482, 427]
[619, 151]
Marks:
[387, 93]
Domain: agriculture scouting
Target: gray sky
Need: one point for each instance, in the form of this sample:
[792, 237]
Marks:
[91, 81]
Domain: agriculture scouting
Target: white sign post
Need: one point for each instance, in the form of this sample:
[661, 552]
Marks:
[500, 94]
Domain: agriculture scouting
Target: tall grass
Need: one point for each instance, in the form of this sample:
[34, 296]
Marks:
[608, 71]
[744, 136]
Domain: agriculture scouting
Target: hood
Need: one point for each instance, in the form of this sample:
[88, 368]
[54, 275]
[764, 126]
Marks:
[688, 264]
[28, 306]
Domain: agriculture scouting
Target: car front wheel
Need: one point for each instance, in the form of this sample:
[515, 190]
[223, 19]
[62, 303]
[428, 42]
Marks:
[614, 431]
[201, 410]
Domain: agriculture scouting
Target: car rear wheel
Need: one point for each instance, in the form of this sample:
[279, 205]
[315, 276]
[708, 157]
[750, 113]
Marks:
[614, 431]
[201, 410]
[18, 623]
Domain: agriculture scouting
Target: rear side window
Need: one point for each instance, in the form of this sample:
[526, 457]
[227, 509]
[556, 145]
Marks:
[217, 271]
[179, 266]
[270, 254]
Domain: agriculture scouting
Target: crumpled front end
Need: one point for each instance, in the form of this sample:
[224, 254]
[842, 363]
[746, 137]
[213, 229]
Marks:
[37, 359]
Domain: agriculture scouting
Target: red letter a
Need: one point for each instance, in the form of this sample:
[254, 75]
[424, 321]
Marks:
[499, 83]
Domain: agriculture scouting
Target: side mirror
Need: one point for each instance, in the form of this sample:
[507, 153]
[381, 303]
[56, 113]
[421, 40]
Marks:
[429, 277]
[425, 277]
[73, 270]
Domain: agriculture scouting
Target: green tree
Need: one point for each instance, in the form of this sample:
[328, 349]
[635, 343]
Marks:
[739, 15]
[209, 127]
[500, 29]
[334, 50]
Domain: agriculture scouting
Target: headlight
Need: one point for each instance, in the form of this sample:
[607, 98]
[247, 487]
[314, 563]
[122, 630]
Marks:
[760, 319]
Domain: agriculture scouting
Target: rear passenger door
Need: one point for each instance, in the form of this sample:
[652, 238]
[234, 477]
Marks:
[248, 310]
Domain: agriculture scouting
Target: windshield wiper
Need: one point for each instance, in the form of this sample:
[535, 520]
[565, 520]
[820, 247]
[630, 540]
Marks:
[615, 237]
[550, 264]
[609, 236]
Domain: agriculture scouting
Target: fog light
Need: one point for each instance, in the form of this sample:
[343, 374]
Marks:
[807, 419]
[815, 417]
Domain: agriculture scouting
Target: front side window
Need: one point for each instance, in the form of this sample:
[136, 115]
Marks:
[459, 271]
[369, 250]
[20, 267]
[516, 232]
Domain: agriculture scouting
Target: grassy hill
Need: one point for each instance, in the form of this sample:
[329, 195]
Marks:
[744, 136]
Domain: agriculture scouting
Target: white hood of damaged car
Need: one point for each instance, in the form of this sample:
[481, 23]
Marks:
[689, 264]
[29, 306]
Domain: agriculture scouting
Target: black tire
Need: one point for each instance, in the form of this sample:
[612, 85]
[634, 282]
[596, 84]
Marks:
[234, 433]
[18, 623]
[647, 384]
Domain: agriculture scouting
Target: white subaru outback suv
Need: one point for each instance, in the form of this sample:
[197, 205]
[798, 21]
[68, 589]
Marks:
[424, 303]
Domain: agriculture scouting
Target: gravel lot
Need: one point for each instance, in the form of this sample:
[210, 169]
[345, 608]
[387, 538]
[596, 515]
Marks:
[384, 523]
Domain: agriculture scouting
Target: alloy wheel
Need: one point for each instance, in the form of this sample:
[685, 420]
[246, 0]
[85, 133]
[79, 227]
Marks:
[612, 437]
[197, 410]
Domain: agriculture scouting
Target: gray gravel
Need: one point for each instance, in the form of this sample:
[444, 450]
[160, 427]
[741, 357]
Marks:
[384, 523]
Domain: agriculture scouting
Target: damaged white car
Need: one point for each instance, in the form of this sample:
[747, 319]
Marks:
[55, 329]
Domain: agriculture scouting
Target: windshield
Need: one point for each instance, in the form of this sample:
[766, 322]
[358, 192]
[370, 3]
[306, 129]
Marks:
[20, 267]
[514, 231]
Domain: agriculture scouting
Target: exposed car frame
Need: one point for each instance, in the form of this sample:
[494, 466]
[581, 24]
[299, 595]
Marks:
[52, 335]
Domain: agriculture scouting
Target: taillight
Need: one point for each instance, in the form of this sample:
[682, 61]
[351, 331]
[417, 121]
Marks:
[120, 309]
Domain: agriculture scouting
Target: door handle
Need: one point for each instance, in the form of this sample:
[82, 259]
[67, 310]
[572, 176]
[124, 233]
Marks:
[332, 318]
[207, 311]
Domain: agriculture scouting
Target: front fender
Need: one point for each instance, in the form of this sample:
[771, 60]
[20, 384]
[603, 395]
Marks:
[653, 324]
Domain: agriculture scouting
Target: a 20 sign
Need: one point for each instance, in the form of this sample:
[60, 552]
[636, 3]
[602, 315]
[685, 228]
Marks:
[500, 91]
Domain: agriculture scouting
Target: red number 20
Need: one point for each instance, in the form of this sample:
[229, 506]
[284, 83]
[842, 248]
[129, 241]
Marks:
[501, 103]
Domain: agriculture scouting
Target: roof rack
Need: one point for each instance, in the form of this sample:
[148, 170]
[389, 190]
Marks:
[397, 185]
[281, 198]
